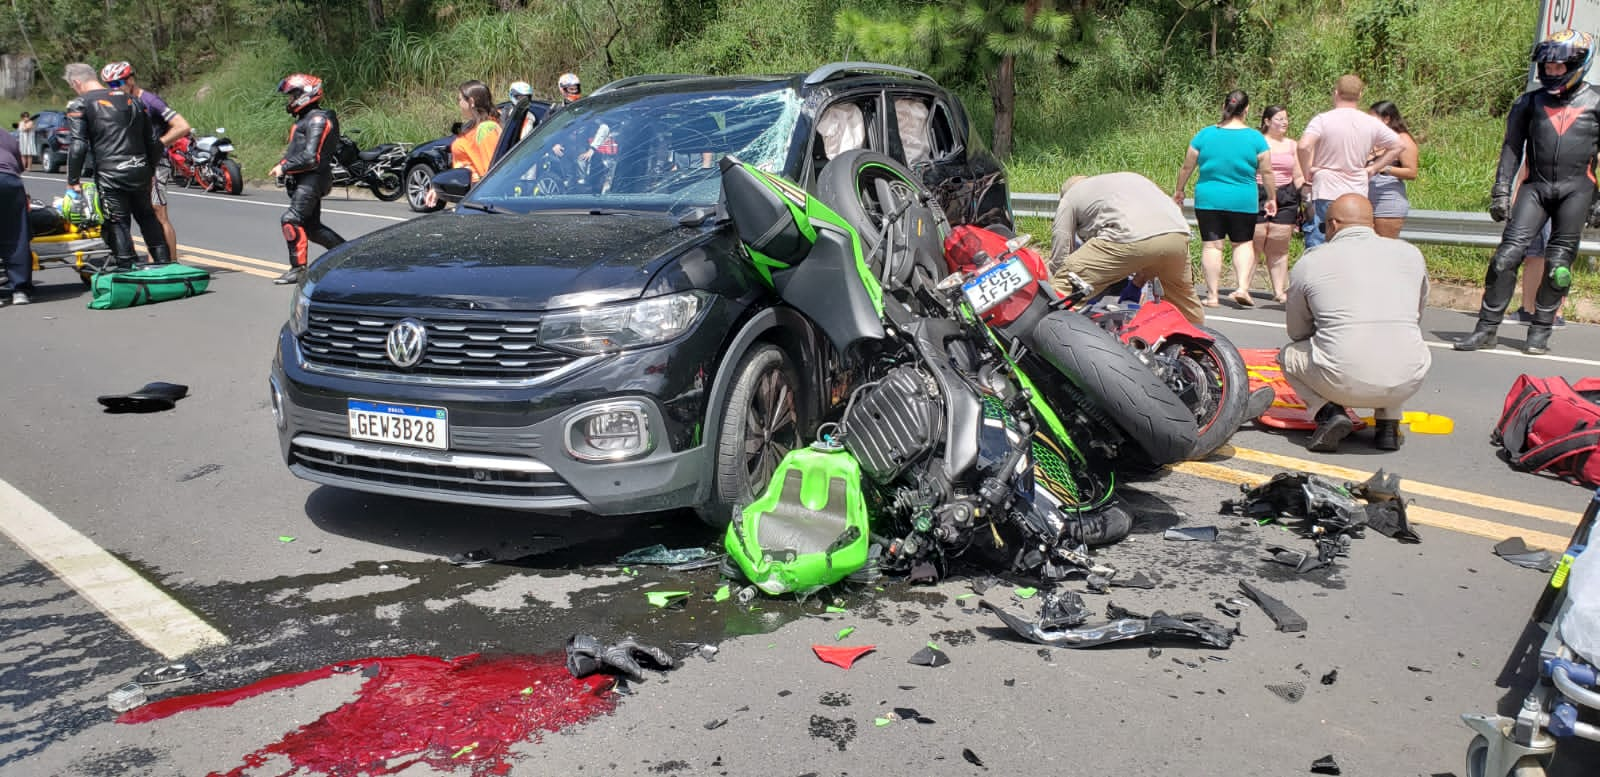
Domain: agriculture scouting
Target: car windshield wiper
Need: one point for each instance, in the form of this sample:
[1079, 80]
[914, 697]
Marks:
[486, 207]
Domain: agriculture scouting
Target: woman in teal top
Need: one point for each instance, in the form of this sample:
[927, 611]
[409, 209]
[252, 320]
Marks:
[1227, 196]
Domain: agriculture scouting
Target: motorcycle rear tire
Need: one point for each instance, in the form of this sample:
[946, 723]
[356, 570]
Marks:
[1231, 372]
[387, 186]
[232, 177]
[1120, 386]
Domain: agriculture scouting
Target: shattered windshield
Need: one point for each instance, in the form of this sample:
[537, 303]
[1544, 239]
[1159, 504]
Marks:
[654, 152]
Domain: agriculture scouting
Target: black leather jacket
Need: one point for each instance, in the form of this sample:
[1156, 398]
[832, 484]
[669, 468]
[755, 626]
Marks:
[312, 141]
[116, 128]
[1560, 137]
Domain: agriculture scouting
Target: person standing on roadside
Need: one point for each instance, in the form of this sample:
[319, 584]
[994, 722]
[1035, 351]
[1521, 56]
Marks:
[307, 167]
[1273, 233]
[1340, 150]
[170, 125]
[474, 146]
[519, 120]
[1230, 155]
[26, 141]
[115, 127]
[14, 249]
[1387, 187]
[1557, 127]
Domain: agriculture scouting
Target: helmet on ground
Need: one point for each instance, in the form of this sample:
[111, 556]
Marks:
[303, 90]
[520, 89]
[114, 74]
[1569, 47]
[570, 88]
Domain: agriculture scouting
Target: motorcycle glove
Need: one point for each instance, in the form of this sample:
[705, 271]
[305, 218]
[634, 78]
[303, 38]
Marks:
[586, 655]
[1500, 206]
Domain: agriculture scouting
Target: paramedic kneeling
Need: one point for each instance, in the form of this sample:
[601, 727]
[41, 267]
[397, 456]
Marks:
[1354, 314]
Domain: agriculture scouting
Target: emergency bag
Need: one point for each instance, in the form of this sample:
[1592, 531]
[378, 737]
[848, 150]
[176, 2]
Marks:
[1549, 425]
[147, 286]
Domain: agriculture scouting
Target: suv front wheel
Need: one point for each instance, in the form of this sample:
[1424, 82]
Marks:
[761, 423]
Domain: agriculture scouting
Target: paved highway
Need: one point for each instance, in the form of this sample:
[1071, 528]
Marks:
[135, 538]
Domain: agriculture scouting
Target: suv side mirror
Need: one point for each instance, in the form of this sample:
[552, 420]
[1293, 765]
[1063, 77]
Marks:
[453, 184]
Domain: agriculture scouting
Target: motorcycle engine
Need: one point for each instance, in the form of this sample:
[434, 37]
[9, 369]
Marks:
[894, 423]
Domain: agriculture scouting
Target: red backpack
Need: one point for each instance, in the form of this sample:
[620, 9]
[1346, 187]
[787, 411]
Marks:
[1549, 425]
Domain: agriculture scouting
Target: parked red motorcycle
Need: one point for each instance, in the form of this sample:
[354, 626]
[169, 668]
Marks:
[205, 162]
[1199, 364]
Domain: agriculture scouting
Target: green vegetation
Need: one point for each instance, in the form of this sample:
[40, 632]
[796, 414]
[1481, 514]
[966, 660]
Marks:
[1127, 85]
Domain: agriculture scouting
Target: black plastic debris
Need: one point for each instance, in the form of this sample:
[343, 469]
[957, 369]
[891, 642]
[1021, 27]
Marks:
[713, 725]
[1192, 534]
[1301, 561]
[472, 558]
[972, 758]
[983, 584]
[1231, 612]
[1419, 670]
[1516, 551]
[1187, 626]
[1061, 610]
[1099, 584]
[929, 656]
[784, 693]
[1290, 692]
[152, 398]
[1116, 613]
[923, 572]
[162, 674]
[1282, 614]
[1155, 652]
[1011, 682]
[1136, 580]
[910, 713]
[1325, 765]
[1331, 677]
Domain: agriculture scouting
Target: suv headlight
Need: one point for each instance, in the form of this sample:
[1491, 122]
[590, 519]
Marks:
[299, 313]
[612, 328]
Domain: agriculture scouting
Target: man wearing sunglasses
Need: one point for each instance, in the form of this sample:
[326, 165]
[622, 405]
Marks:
[1354, 315]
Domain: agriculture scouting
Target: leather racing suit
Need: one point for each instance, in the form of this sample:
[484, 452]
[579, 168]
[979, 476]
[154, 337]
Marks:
[1561, 137]
[114, 126]
[308, 175]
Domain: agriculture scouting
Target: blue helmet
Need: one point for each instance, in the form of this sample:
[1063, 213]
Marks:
[1570, 47]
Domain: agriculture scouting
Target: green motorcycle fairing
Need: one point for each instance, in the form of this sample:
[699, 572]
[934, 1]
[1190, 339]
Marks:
[810, 528]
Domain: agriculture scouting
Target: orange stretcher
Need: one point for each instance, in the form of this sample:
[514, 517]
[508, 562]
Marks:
[1288, 411]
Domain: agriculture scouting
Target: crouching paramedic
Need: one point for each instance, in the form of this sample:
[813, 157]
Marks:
[1111, 226]
[308, 170]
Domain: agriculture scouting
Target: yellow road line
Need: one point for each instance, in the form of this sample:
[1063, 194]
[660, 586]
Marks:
[187, 250]
[1419, 515]
[208, 261]
[1412, 487]
[140, 608]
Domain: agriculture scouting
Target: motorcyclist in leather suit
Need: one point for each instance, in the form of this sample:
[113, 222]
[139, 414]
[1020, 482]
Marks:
[1558, 126]
[114, 126]
[307, 166]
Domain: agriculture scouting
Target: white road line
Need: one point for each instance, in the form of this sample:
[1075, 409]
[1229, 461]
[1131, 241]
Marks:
[1432, 344]
[140, 608]
[238, 201]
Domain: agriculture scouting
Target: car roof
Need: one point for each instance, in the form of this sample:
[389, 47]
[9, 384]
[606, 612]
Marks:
[832, 74]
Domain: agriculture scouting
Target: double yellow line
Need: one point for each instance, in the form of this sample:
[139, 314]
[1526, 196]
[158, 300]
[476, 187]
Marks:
[1425, 516]
[245, 264]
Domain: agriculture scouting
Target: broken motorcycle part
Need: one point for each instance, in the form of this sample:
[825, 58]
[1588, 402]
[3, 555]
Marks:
[1282, 614]
[1290, 692]
[1188, 626]
[152, 398]
[1192, 534]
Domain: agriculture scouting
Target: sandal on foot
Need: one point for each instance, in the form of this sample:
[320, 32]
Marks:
[1243, 299]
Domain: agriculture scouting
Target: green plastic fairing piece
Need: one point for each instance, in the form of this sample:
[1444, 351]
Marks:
[808, 530]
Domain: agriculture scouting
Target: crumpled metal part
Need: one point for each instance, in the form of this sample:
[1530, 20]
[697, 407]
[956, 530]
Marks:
[1186, 626]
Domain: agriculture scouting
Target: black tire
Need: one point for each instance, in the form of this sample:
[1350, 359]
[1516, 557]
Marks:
[52, 161]
[764, 413]
[1121, 387]
[232, 177]
[1224, 397]
[388, 187]
[862, 186]
[417, 179]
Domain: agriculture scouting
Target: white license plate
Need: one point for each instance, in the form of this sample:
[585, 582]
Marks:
[995, 284]
[422, 427]
[225, 148]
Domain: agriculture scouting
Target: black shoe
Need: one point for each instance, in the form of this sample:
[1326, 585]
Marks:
[160, 255]
[292, 275]
[1538, 341]
[1333, 425]
[1259, 402]
[1484, 336]
[1387, 435]
[1105, 526]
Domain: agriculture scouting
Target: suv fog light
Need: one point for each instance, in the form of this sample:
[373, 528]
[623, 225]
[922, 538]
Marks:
[278, 416]
[610, 432]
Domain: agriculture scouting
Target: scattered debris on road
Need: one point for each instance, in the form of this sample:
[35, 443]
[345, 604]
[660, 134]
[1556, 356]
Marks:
[1516, 551]
[841, 656]
[1282, 614]
[660, 555]
[1325, 765]
[1192, 534]
[152, 398]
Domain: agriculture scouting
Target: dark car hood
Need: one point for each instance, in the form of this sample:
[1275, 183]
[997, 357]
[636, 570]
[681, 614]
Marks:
[503, 261]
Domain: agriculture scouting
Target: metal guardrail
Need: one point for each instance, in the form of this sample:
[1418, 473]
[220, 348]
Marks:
[1432, 227]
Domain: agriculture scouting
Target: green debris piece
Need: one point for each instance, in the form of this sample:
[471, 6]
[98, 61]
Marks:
[833, 609]
[630, 571]
[1026, 593]
[528, 691]
[964, 597]
[285, 538]
[722, 594]
[881, 589]
[844, 632]
[881, 722]
[664, 598]
[464, 750]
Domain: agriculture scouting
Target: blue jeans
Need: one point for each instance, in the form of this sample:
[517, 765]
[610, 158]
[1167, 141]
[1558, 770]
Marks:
[15, 251]
[1319, 212]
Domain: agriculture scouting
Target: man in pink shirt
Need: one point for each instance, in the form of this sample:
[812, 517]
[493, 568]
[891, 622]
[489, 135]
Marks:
[1337, 152]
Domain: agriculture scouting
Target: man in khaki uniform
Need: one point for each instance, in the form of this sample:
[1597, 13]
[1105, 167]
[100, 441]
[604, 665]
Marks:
[1354, 315]
[1111, 226]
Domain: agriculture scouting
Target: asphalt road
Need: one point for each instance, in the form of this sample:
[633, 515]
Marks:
[296, 577]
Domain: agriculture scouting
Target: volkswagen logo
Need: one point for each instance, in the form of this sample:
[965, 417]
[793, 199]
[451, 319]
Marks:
[406, 342]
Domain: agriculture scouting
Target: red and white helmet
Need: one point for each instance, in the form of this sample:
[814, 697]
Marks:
[114, 74]
[303, 90]
[570, 88]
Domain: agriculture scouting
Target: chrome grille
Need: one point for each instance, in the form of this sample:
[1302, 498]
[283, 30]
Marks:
[461, 347]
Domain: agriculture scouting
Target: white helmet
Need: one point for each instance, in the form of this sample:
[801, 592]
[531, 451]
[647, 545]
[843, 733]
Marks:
[570, 88]
[520, 89]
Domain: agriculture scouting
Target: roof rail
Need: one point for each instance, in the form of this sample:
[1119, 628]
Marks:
[836, 69]
[631, 81]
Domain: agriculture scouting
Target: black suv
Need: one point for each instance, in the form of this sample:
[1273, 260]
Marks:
[52, 138]
[585, 333]
[429, 159]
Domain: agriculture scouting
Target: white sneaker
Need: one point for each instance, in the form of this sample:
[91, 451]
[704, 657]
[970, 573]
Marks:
[19, 298]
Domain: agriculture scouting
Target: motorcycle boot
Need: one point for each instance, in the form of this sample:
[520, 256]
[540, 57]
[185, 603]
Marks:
[1333, 425]
[160, 255]
[291, 275]
[1386, 436]
[1105, 526]
[1538, 341]
[1483, 337]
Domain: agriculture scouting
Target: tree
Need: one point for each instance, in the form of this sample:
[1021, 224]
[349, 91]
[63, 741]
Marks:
[970, 41]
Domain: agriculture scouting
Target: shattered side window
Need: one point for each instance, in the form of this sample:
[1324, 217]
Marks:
[653, 152]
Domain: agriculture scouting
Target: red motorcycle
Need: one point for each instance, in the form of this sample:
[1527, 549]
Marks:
[205, 162]
[1199, 364]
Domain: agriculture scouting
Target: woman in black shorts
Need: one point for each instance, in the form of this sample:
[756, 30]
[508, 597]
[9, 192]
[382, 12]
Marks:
[1230, 155]
[1273, 233]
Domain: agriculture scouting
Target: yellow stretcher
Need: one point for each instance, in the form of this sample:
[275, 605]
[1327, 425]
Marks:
[76, 242]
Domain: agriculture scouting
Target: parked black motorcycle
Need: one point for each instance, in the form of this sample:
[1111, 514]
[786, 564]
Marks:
[378, 168]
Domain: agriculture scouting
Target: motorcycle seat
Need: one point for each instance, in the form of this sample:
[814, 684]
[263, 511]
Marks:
[373, 153]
